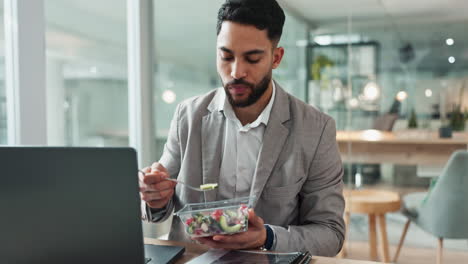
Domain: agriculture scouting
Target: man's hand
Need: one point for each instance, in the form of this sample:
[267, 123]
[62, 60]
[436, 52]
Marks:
[154, 190]
[253, 238]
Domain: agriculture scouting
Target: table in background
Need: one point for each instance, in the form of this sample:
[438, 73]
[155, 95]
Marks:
[405, 147]
[194, 250]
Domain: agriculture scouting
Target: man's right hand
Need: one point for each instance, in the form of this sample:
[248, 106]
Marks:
[154, 190]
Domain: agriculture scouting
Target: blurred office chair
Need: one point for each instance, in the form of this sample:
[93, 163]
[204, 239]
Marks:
[385, 122]
[443, 210]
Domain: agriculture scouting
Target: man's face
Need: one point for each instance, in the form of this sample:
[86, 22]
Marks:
[245, 59]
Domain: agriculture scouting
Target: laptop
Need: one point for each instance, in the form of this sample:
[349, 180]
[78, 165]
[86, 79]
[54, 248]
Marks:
[72, 205]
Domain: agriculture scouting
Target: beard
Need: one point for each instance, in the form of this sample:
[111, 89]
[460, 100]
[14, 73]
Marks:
[256, 91]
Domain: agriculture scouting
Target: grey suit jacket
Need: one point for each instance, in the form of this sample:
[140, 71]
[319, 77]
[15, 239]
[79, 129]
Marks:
[298, 180]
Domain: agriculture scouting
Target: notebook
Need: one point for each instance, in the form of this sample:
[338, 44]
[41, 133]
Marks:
[221, 256]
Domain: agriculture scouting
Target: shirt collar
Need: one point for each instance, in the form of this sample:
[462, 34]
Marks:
[223, 105]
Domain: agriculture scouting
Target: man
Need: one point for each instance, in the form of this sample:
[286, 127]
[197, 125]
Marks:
[253, 138]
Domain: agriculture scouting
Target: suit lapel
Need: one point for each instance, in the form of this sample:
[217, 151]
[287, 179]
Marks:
[274, 138]
[212, 147]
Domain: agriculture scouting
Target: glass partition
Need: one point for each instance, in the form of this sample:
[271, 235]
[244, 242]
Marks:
[185, 56]
[409, 78]
[87, 72]
[394, 78]
[291, 73]
[3, 110]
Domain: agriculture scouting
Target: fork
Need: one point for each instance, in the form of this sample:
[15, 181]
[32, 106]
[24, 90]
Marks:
[210, 186]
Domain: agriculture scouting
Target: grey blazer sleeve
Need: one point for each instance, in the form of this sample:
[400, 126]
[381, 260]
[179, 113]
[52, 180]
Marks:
[321, 226]
[170, 159]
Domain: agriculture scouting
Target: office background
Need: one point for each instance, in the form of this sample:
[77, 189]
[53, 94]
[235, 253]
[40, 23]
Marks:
[356, 61]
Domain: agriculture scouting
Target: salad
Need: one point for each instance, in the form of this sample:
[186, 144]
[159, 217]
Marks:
[217, 221]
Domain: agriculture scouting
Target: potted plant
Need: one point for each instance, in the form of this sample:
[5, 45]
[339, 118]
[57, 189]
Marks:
[413, 121]
[457, 117]
[321, 62]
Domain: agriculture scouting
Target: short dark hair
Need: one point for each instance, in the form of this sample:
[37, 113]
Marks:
[263, 14]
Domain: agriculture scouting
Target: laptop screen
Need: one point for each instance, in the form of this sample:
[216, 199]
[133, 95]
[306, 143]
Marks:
[69, 205]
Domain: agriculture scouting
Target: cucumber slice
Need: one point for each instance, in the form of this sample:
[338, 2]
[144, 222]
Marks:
[208, 186]
[190, 229]
[226, 227]
[199, 219]
[231, 213]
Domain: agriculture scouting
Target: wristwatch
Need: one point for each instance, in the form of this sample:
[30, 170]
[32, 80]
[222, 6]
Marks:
[269, 239]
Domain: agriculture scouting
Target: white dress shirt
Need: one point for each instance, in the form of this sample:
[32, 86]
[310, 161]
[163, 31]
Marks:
[241, 149]
[237, 167]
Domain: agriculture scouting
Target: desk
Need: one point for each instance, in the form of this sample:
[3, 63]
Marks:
[194, 250]
[405, 147]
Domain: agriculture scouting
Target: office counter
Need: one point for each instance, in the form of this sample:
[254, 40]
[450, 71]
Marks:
[405, 147]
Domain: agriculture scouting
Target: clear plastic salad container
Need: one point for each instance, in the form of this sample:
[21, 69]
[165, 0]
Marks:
[216, 218]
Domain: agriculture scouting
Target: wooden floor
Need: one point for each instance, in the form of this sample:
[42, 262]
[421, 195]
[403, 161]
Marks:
[408, 255]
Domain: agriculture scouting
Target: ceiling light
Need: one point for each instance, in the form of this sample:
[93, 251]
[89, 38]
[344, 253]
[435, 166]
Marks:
[169, 96]
[451, 59]
[353, 103]
[428, 92]
[449, 41]
[346, 38]
[371, 91]
[401, 96]
[323, 40]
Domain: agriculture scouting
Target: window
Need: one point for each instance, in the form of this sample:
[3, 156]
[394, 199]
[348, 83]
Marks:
[87, 72]
[185, 58]
[3, 113]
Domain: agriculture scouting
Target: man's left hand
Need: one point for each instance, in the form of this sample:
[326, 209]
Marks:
[253, 238]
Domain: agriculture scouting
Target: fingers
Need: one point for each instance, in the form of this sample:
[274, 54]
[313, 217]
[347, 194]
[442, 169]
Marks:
[154, 189]
[158, 188]
[155, 177]
[150, 178]
[244, 240]
[255, 220]
[154, 174]
[157, 195]
[158, 167]
[231, 239]
[156, 182]
[253, 238]
[157, 199]
[158, 203]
